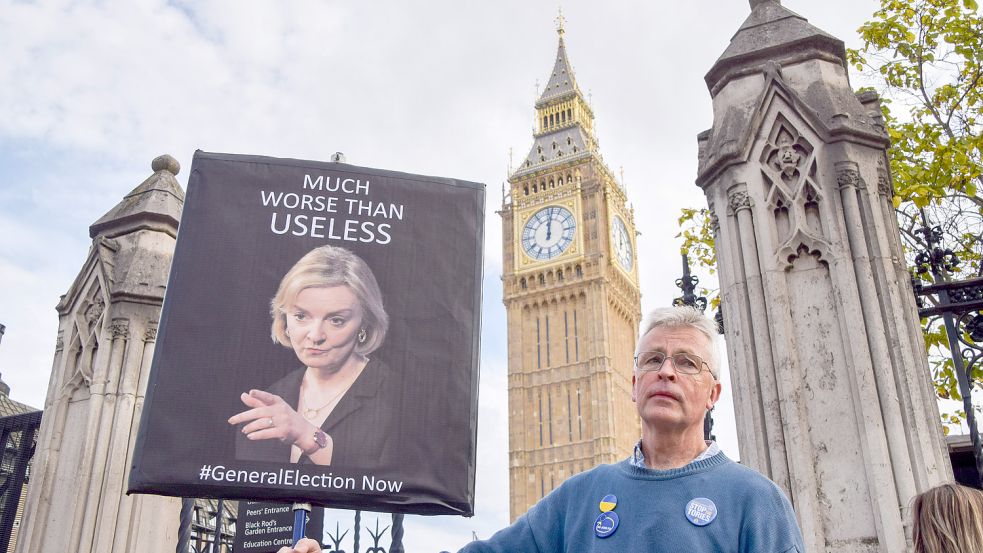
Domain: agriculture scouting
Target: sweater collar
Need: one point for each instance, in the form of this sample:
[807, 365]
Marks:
[638, 456]
[695, 466]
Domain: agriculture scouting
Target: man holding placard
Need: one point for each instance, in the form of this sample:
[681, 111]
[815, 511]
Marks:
[676, 492]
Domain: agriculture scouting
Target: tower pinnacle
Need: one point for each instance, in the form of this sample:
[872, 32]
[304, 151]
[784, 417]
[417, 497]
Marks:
[755, 3]
[564, 125]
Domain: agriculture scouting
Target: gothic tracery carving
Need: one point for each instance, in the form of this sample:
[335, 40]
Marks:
[787, 153]
[788, 158]
[790, 180]
[94, 309]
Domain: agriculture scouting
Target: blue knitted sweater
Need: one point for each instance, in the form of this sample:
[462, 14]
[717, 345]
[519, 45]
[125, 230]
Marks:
[753, 515]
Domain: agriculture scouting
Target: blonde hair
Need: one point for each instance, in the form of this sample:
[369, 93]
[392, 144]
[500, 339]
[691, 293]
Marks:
[948, 518]
[685, 316]
[332, 266]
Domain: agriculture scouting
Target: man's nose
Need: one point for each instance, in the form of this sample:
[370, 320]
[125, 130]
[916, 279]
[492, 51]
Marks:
[665, 371]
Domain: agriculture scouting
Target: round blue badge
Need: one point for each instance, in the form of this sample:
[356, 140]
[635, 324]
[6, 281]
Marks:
[608, 502]
[701, 511]
[606, 524]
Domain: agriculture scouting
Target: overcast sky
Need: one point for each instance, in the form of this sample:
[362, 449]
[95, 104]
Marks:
[94, 90]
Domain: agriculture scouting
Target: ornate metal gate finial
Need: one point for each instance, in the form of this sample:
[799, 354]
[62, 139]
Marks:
[688, 285]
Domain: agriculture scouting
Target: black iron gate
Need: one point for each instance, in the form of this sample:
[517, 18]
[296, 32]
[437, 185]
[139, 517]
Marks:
[18, 435]
[960, 305]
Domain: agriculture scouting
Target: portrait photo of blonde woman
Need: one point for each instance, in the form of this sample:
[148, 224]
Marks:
[337, 406]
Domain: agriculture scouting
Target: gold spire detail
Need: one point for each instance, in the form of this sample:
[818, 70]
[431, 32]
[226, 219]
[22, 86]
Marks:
[560, 20]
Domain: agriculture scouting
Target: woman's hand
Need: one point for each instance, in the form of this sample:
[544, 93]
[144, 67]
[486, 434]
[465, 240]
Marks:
[305, 545]
[270, 417]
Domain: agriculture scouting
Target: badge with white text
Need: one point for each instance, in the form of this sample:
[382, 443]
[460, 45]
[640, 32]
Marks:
[606, 524]
[701, 511]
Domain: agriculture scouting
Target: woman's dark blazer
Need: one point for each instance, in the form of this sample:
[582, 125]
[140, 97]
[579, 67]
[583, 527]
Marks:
[364, 424]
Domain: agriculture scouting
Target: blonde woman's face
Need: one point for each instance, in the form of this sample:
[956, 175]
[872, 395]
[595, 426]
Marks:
[323, 325]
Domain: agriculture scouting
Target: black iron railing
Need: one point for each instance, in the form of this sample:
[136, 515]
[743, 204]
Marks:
[18, 435]
[959, 304]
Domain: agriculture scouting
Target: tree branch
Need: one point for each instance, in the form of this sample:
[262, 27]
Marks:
[970, 88]
[920, 67]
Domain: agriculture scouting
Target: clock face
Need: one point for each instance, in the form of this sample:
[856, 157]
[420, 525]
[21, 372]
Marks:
[621, 243]
[548, 233]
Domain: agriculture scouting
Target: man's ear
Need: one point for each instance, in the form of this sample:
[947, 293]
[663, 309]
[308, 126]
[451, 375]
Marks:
[714, 394]
[634, 395]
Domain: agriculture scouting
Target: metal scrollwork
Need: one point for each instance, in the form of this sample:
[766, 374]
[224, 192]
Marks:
[336, 539]
[974, 327]
[972, 348]
[933, 258]
[376, 536]
[967, 294]
[917, 287]
[688, 284]
[960, 305]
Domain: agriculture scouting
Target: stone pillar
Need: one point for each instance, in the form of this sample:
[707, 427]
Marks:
[832, 389]
[106, 333]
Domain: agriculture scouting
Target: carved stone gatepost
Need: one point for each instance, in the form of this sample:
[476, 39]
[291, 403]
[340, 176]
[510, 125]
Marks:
[832, 390]
[106, 332]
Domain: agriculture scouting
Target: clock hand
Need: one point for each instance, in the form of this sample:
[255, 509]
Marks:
[549, 228]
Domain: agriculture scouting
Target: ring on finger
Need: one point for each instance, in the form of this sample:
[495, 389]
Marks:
[270, 422]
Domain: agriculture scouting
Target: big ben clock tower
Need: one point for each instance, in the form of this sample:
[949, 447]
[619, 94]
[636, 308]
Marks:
[571, 294]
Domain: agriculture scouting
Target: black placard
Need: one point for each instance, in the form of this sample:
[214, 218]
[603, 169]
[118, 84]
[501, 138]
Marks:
[402, 426]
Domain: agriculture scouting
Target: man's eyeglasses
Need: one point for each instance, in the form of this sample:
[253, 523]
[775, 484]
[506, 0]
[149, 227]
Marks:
[685, 363]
